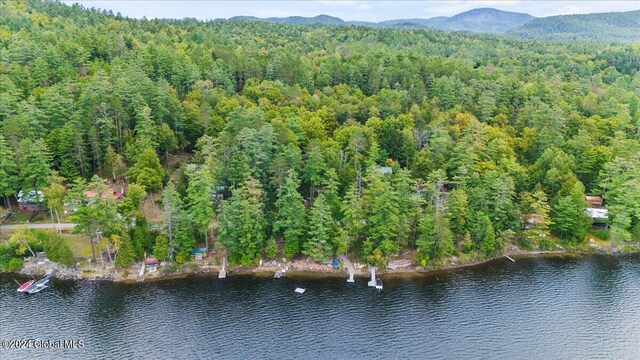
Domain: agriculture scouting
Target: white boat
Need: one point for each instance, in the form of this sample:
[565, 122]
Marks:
[300, 290]
[378, 284]
[37, 287]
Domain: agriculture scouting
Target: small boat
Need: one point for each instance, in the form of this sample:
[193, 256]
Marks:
[23, 287]
[300, 290]
[378, 284]
[38, 286]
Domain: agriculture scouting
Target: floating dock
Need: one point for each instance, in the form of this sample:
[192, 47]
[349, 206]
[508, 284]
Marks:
[350, 267]
[300, 290]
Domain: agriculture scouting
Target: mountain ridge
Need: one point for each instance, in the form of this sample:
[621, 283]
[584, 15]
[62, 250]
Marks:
[616, 26]
[475, 20]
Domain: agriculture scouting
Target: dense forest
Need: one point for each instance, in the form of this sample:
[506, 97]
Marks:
[279, 140]
[613, 26]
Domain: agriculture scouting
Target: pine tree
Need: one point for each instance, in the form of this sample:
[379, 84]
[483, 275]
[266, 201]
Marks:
[486, 233]
[146, 127]
[242, 224]
[184, 238]
[147, 171]
[110, 158]
[457, 210]
[537, 211]
[314, 168]
[408, 207]
[569, 219]
[8, 171]
[161, 247]
[34, 165]
[435, 240]
[331, 192]
[173, 208]
[199, 204]
[381, 204]
[321, 232]
[353, 219]
[290, 218]
[126, 254]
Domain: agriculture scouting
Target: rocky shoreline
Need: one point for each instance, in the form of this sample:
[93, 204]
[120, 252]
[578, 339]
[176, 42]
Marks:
[296, 268]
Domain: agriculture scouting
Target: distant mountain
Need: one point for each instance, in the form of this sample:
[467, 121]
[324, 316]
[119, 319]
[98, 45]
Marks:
[620, 26]
[614, 26]
[295, 20]
[431, 22]
[476, 20]
[483, 20]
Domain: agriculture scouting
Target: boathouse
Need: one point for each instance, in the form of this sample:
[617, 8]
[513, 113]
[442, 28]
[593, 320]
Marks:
[151, 264]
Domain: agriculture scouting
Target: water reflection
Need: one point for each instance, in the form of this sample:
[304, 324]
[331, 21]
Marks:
[532, 309]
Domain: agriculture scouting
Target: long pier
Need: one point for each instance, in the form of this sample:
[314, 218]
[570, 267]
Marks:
[350, 267]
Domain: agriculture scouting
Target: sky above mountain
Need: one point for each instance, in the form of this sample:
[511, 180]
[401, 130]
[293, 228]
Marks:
[346, 10]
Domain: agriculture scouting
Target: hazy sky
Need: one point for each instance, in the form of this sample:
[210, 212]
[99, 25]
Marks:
[346, 10]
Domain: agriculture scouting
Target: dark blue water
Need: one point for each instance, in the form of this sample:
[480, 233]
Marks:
[585, 308]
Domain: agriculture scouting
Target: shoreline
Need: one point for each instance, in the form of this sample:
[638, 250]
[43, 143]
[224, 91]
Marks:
[297, 269]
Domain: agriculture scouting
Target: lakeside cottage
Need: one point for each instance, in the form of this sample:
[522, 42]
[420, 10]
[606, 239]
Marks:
[199, 253]
[29, 202]
[151, 264]
[596, 211]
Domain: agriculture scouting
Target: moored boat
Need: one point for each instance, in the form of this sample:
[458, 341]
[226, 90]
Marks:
[23, 287]
[378, 284]
[40, 284]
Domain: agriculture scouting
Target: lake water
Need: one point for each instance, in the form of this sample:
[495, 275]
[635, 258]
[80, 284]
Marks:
[540, 308]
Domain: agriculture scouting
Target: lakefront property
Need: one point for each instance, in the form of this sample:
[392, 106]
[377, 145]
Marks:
[259, 157]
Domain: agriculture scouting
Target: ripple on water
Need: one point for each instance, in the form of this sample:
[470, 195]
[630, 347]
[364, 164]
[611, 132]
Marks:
[531, 309]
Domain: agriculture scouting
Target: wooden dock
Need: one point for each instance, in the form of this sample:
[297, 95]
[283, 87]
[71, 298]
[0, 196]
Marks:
[510, 258]
[223, 270]
[372, 282]
[350, 267]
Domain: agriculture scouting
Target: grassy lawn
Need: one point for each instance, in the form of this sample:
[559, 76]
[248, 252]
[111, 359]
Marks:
[79, 243]
[19, 217]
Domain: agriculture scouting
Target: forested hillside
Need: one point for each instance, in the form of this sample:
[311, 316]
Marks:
[604, 27]
[477, 20]
[315, 140]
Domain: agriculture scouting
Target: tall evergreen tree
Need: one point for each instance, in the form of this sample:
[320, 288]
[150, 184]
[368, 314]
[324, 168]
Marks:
[8, 171]
[173, 208]
[290, 218]
[199, 195]
[321, 231]
[569, 219]
[242, 224]
[34, 165]
[382, 211]
[353, 219]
